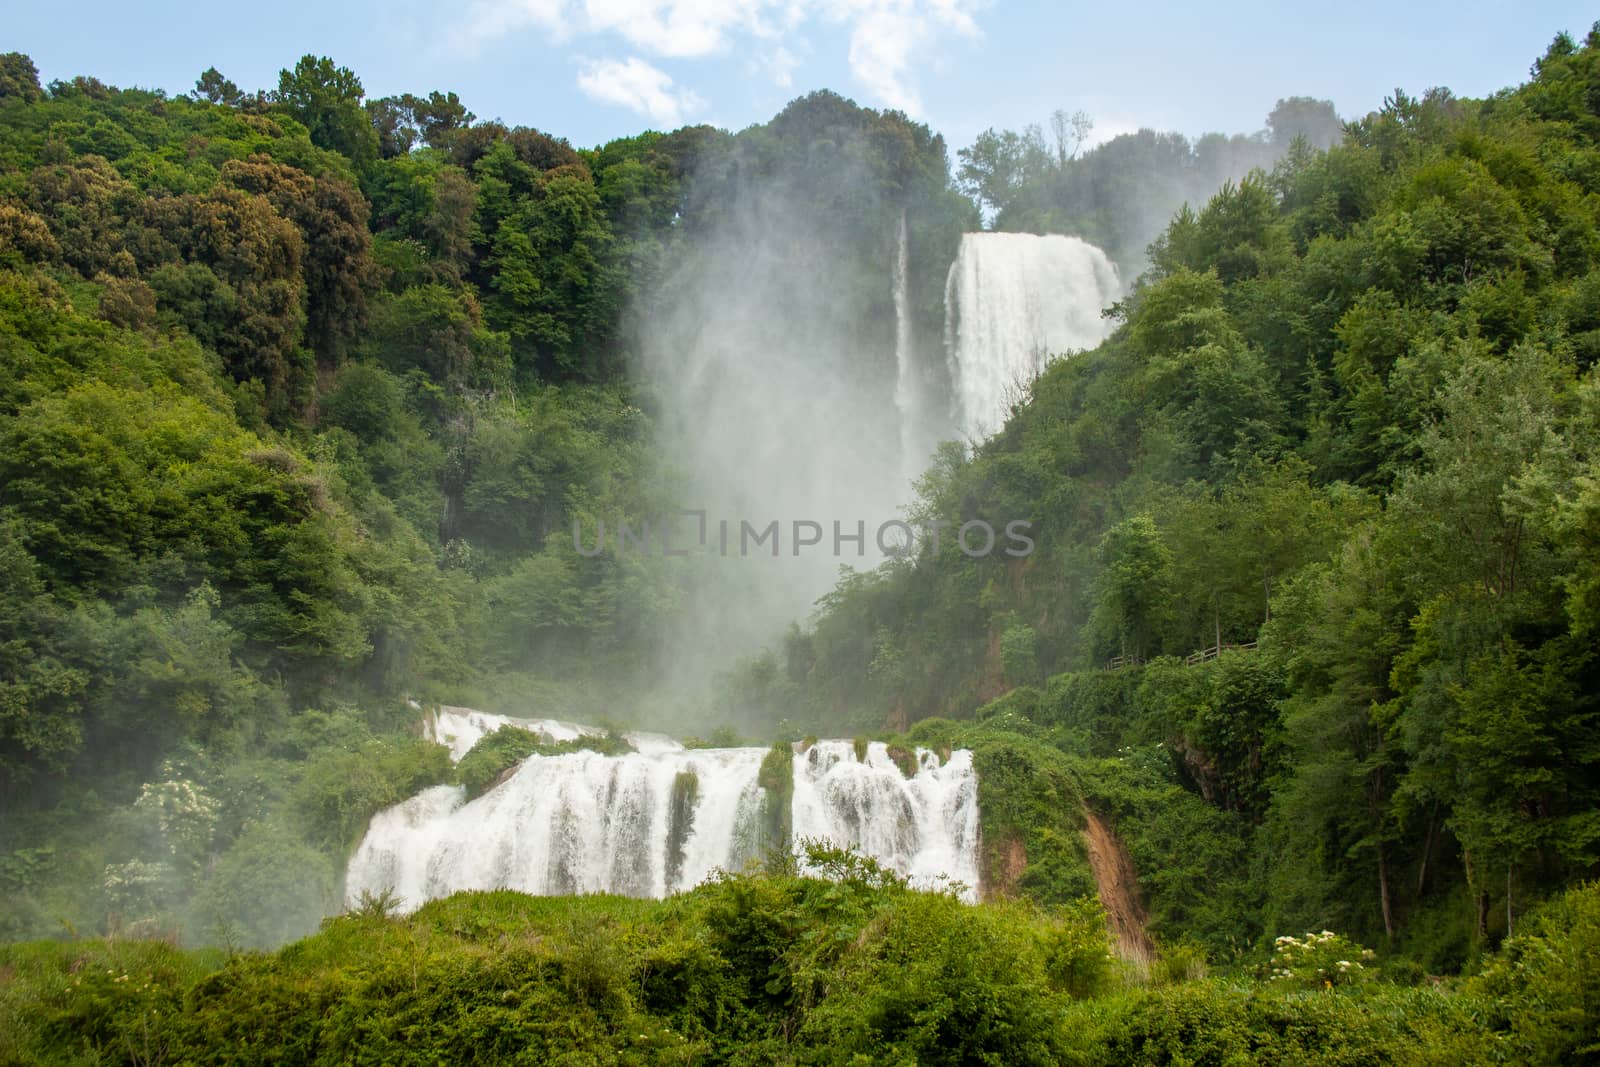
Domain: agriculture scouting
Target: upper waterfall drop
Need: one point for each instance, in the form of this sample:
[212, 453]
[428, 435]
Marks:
[458, 729]
[1014, 301]
[908, 384]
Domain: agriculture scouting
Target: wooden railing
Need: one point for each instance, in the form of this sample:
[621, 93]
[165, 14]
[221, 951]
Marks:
[1214, 651]
[1116, 663]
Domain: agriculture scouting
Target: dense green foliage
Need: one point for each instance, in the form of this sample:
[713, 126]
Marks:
[764, 968]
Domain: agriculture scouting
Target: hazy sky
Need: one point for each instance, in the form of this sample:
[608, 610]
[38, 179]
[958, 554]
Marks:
[590, 70]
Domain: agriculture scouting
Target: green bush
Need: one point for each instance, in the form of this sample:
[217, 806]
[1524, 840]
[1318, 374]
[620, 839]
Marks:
[765, 966]
[268, 888]
[1546, 980]
[340, 791]
[1318, 961]
[496, 753]
[493, 755]
[776, 777]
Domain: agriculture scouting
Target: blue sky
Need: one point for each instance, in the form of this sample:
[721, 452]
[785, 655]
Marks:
[590, 70]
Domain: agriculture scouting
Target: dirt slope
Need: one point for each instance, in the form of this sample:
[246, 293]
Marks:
[1119, 891]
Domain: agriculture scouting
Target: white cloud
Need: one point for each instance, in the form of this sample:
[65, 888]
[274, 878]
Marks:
[632, 83]
[781, 66]
[677, 28]
[489, 19]
[881, 44]
[885, 36]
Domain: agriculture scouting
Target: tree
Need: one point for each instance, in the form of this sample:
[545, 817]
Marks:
[1304, 117]
[212, 86]
[439, 117]
[327, 100]
[337, 269]
[1069, 132]
[997, 165]
[1135, 589]
[41, 693]
[86, 204]
[552, 290]
[391, 119]
[1338, 628]
[230, 270]
[19, 78]
[405, 121]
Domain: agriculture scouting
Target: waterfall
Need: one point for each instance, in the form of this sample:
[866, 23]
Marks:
[924, 826]
[458, 729]
[662, 818]
[907, 385]
[1014, 301]
[637, 824]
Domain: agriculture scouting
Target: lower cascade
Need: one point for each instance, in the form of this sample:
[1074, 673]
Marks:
[662, 818]
[925, 826]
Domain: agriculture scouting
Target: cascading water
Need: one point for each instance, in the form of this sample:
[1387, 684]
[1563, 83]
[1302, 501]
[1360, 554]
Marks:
[924, 826]
[1014, 301]
[908, 384]
[661, 819]
[637, 824]
[458, 729]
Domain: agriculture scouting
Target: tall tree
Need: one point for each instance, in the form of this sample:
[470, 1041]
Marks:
[326, 99]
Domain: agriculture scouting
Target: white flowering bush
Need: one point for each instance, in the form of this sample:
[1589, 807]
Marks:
[1319, 961]
[136, 889]
[183, 812]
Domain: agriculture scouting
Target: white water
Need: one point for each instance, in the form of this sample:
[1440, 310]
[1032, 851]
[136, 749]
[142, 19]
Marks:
[1013, 302]
[587, 823]
[575, 823]
[925, 826]
[908, 383]
[458, 729]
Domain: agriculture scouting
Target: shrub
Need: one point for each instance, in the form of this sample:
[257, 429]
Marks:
[493, 755]
[340, 792]
[776, 777]
[1547, 983]
[268, 888]
[1077, 949]
[1319, 961]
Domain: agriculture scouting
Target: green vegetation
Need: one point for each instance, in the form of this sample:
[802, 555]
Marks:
[776, 777]
[494, 755]
[770, 967]
[508, 746]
